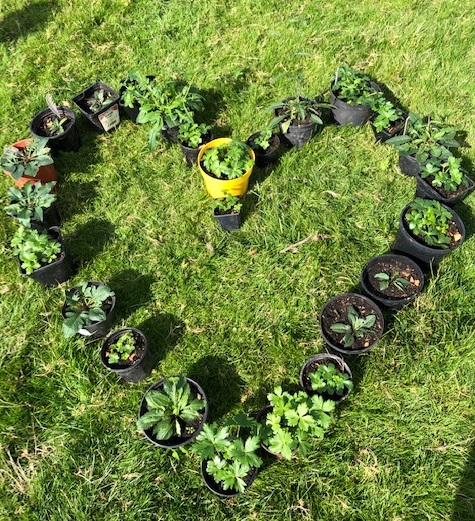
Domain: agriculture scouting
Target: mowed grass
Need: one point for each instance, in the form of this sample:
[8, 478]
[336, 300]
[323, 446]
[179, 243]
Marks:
[234, 311]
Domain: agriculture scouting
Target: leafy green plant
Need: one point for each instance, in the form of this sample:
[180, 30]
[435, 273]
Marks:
[228, 204]
[26, 161]
[100, 99]
[262, 141]
[293, 420]
[353, 87]
[356, 327]
[85, 304]
[171, 410]
[55, 126]
[168, 105]
[29, 202]
[386, 279]
[290, 111]
[230, 454]
[330, 380]
[385, 113]
[34, 248]
[430, 221]
[122, 349]
[446, 174]
[228, 160]
[134, 88]
[425, 139]
[192, 134]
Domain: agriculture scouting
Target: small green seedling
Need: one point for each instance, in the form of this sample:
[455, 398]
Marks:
[99, 100]
[386, 279]
[229, 204]
[192, 134]
[356, 327]
[353, 87]
[34, 248]
[122, 349]
[330, 380]
[55, 126]
[262, 141]
[296, 109]
[446, 174]
[385, 113]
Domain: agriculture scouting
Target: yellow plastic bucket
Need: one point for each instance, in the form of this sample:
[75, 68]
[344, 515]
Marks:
[219, 188]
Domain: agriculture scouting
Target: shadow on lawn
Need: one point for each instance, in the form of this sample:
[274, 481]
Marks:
[221, 383]
[132, 290]
[464, 505]
[163, 332]
[89, 240]
[26, 20]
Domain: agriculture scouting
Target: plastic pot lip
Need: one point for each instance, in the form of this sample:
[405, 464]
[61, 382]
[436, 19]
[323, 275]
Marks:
[164, 443]
[111, 339]
[41, 115]
[429, 249]
[338, 347]
[327, 358]
[359, 107]
[96, 283]
[444, 200]
[391, 256]
[209, 482]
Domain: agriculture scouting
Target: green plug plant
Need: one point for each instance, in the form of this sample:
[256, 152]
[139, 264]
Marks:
[293, 110]
[353, 87]
[171, 410]
[430, 221]
[100, 99]
[446, 174]
[228, 161]
[34, 248]
[28, 160]
[426, 139]
[229, 204]
[192, 134]
[85, 304]
[29, 202]
[386, 113]
[356, 327]
[386, 279]
[262, 141]
[293, 420]
[230, 455]
[122, 349]
[330, 380]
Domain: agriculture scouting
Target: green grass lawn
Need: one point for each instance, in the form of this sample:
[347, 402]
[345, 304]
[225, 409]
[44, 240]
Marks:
[232, 310]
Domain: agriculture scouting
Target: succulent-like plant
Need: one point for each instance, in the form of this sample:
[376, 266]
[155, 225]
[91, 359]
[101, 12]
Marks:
[29, 202]
[26, 161]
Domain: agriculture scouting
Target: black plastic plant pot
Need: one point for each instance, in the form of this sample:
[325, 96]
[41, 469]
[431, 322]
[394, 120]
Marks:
[216, 488]
[170, 134]
[424, 190]
[143, 362]
[58, 271]
[51, 217]
[409, 166]
[68, 141]
[396, 130]
[311, 365]
[400, 265]
[336, 311]
[96, 330]
[348, 114]
[228, 221]
[298, 135]
[105, 119]
[191, 153]
[406, 243]
[174, 442]
[268, 156]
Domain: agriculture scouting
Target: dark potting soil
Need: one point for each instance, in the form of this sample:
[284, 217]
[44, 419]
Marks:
[337, 311]
[136, 355]
[224, 212]
[446, 194]
[43, 125]
[312, 367]
[453, 233]
[391, 267]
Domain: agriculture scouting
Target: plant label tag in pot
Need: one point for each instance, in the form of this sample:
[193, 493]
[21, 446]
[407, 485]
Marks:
[110, 118]
[84, 332]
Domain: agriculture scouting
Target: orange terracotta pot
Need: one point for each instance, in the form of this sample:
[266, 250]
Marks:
[45, 174]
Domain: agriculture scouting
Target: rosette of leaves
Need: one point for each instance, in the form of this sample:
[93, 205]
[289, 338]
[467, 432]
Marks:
[100, 99]
[330, 380]
[28, 160]
[85, 305]
[353, 87]
[230, 454]
[446, 174]
[171, 410]
[29, 202]
[386, 279]
[426, 139]
[34, 248]
[356, 327]
[294, 420]
[122, 349]
[430, 221]
[296, 109]
[227, 161]
[191, 134]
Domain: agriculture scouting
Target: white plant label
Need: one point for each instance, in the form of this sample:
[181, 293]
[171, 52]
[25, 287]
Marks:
[110, 118]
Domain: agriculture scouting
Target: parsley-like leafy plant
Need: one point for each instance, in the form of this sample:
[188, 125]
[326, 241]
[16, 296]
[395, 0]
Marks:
[34, 248]
[330, 380]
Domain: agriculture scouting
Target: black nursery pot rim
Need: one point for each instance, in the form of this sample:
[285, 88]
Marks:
[429, 190]
[353, 106]
[80, 99]
[40, 116]
[173, 442]
[326, 358]
[339, 347]
[213, 486]
[112, 339]
[387, 300]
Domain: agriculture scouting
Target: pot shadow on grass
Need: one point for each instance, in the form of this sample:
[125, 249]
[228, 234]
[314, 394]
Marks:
[464, 504]
[26, 20]
[76, 195]
[132, 290]
[88, 240]
[221, 383]
[466, 214]
[163, 332]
